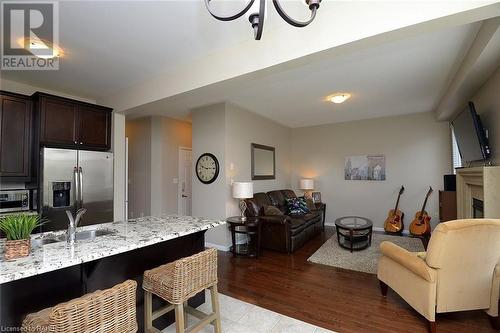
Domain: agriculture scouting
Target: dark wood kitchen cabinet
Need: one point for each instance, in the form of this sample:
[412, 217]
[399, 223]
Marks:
[15, 135]
[57, 121]
[67, 123]
[94, 127]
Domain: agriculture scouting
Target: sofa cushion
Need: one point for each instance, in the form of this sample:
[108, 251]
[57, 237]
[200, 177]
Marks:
[295, 206]
[289, 194]
[262, 199]
[252, 208]
[297, 224]
[310, 216]
[255, 205]
[278, 200]
[310, 204]
[271, 210]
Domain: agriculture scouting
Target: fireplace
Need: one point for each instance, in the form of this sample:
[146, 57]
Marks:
[478, 194]
[477, 208]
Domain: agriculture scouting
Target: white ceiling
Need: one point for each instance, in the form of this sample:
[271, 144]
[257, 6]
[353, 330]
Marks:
[402, 77]
[112, 45]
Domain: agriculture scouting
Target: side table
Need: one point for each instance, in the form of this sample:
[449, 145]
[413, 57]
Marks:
[250, 227]
[321, 206]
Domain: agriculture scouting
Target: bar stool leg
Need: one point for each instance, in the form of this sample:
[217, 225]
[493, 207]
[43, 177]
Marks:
[185, 315]
[179, 318]
[215, 308]
[148, 311]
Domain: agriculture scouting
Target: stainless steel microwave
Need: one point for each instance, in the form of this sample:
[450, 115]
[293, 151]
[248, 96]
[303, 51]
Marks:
[14, 201]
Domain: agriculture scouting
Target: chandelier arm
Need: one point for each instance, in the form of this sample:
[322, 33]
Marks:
[232, 17]
[260, 27]
[290, 20]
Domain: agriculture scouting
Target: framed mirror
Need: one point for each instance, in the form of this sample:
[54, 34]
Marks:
[263, 162]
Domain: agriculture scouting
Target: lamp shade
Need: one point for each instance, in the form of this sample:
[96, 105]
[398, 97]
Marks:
[307, 184]
[242, 190]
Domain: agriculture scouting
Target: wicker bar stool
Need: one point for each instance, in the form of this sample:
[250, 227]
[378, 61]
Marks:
[107, 311]
[178, 281]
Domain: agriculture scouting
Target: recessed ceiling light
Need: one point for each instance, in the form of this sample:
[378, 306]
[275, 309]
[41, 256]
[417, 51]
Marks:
[339, 98]
[41, 48]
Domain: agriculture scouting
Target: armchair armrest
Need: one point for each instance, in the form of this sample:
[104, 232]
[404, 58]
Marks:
[408, 260]
[276, 219]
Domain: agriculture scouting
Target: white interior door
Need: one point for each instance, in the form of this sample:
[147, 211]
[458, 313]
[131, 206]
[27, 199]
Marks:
[185, 183]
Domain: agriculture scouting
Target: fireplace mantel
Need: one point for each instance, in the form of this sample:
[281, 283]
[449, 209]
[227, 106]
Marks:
[482, 183]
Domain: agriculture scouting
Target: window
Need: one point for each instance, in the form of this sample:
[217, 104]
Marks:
[456, 158]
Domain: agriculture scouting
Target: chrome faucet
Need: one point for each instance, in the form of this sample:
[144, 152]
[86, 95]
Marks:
[73, 223]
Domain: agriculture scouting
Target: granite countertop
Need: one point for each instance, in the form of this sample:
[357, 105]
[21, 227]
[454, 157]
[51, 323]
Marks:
[126, 236]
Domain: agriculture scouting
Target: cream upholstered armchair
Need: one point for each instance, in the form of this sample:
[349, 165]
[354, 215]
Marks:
[460, 270]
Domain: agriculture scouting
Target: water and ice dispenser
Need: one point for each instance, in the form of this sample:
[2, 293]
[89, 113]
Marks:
[61, 194]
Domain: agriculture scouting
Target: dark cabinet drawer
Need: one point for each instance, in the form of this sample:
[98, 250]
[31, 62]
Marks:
[15, 135]
[72, 124]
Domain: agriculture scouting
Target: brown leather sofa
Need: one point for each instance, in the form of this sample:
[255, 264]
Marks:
[286, 232]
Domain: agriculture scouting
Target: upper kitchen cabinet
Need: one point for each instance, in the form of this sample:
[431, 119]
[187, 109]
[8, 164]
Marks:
[94, 126]
[72, 124]
[57, 120]
[15, 135]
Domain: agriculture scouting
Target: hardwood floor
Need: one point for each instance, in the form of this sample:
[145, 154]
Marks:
[336, 299]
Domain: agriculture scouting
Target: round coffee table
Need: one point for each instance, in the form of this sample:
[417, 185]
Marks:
[354, 232]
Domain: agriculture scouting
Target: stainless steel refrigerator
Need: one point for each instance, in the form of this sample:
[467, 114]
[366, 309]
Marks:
[74, 179]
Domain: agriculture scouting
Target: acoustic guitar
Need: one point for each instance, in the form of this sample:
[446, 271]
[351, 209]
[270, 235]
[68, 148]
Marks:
[420, 226]
[394, 222]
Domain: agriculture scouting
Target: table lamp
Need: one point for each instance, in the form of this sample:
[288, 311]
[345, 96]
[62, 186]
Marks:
[242, 191]
[307, 185]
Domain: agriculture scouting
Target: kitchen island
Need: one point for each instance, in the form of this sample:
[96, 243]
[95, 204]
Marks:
[57, 272]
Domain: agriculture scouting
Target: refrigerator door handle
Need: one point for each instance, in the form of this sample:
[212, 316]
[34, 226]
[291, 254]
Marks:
[77, 186]
[80, 171]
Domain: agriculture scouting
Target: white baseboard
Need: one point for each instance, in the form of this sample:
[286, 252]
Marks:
[405, 232]
[218, 247]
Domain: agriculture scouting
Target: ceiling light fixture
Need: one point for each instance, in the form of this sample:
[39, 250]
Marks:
[339, 98]
[256, 13]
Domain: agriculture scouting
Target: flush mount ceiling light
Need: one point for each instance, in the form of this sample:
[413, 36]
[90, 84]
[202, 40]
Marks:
[256, 13]
[339, 98]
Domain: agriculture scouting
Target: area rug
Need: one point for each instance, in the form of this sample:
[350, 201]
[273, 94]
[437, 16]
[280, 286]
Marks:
[331, 254]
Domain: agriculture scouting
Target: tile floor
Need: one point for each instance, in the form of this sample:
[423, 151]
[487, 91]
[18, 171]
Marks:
[241, 317]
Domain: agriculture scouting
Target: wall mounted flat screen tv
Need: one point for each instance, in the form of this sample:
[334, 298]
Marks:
[470, 135]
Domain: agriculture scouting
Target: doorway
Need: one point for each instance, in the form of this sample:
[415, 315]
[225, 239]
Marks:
[185, 181]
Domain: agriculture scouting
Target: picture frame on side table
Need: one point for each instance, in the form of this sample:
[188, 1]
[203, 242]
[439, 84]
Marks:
[316, 197]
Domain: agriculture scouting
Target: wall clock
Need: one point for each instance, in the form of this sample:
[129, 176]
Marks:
[207, 168]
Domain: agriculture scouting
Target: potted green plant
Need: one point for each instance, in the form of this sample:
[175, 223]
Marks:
[18, 228]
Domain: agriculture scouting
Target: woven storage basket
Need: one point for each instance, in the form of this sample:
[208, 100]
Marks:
[17, 248]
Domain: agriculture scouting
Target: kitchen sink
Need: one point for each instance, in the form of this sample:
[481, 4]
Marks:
[88, 234]
[80, 235]
[43, 241]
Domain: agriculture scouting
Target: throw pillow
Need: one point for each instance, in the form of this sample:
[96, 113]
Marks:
[297, 206]
[272, 210]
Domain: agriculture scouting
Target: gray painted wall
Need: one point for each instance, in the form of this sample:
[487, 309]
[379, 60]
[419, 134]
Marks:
[417, 150]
